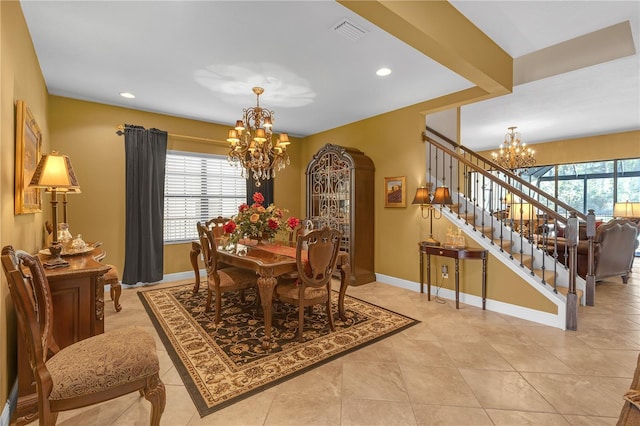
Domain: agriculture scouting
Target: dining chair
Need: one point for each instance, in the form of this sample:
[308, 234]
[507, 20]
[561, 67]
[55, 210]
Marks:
[216, 225]
[87, 372]
[221, 279]
[316, 256]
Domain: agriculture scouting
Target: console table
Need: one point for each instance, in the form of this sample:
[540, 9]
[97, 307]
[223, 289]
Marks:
[77, 293]
[453, 253]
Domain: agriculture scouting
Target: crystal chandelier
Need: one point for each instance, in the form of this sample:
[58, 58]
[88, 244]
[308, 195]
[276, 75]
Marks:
[514, 155]
[252, 145]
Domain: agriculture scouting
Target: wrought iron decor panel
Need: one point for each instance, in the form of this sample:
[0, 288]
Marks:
[330, 192]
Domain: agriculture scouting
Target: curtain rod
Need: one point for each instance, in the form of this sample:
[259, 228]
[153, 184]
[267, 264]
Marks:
[120, 128]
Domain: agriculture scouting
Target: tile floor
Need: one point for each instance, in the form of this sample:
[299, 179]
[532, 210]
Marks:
[457, 367]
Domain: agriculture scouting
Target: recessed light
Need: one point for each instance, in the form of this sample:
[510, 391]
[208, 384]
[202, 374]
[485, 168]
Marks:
[382, 72]
[127, 95]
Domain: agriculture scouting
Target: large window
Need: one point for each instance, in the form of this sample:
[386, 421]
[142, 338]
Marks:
[595, 185]
[199, 187]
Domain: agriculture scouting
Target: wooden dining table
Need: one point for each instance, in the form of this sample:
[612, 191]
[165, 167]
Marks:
[269, 261]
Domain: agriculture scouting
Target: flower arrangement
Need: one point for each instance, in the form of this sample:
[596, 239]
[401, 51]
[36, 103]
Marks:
[258, 222]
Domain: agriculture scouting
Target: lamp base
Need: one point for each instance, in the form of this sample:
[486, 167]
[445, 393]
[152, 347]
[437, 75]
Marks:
[431, 241]
[55, 261]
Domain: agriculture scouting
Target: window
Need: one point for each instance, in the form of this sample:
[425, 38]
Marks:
[197, 188]
[594, 185]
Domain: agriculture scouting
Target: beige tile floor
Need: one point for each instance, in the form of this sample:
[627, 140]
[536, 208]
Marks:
[457, 367]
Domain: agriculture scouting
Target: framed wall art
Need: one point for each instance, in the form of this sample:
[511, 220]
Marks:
[395, 192]
[28, 152]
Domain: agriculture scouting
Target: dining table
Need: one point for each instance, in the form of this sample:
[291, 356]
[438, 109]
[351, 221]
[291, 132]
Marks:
[269, 260]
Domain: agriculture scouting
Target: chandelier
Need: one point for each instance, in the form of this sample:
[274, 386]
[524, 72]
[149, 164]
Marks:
[252, 145]
[514, 155]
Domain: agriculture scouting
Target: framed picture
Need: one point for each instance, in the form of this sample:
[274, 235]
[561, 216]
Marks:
[395, 192]
[28, 152]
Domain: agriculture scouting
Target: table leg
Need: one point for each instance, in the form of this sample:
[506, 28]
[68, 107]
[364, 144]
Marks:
[484, 283]
[421, 272]
[345, 276]
[457, 283]
[428, 277]
[193, 256]
[266, 285]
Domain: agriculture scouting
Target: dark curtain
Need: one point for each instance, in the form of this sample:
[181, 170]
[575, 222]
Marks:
[145, 158]
[266, 188]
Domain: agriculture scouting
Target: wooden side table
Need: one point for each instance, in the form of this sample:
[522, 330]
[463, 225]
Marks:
[452, 253]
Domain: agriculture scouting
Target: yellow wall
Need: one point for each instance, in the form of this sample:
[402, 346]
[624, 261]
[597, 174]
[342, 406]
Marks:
[20, 79]
[393, 142]
[86, 132]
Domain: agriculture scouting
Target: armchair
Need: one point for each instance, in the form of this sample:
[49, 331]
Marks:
[614, 247]
[90, 371]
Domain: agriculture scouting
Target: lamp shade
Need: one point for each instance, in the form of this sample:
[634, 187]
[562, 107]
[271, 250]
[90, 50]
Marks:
[422, 196]
[523, 211]
[54, 171]
[626, 209]
[442, 196]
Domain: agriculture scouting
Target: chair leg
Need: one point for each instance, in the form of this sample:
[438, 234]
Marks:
[242, 299]
[329, 314]
[300, 321]
[115, 292]
[47, 417]
[207, 307]
[154, 392]
[218, 305]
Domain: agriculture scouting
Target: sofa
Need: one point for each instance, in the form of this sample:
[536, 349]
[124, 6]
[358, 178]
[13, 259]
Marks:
[614, 247]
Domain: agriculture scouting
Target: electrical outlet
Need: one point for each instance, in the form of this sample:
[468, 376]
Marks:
[445, 271]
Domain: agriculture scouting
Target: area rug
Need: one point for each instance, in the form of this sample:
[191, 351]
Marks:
[223, 364]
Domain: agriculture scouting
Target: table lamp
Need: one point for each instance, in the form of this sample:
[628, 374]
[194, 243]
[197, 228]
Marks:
[627, 210]
[55, 173]
[440, 197]
[522, 213]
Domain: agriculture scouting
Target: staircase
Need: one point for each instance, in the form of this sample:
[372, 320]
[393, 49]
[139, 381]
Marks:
[524, 241]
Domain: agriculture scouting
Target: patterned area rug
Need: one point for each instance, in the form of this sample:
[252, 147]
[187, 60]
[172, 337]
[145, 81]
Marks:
[223, 364]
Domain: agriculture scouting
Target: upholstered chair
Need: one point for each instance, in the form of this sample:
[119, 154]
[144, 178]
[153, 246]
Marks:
[219, 279]
[87, 372]
[316, 256]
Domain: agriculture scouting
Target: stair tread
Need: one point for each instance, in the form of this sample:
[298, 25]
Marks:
[504, 243]
[565, 290]
[549, 276]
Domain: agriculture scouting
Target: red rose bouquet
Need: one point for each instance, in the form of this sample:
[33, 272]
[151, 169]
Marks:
[259, 222]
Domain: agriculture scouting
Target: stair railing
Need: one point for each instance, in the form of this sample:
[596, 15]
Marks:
[526, 218]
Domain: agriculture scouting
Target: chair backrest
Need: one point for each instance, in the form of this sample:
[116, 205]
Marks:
[208, 247]
[617, 245]
[304, 227]
[216, 225]
[316, 256]
[32, 299]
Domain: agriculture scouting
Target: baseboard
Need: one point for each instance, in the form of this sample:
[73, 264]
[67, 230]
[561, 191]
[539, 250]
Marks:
[521, 312]
[10, 406]
[169, 278]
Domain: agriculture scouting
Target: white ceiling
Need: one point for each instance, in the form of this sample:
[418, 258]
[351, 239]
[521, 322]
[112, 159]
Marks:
[200, 59]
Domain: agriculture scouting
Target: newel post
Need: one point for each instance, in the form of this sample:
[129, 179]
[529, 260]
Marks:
[590, 290]
[571, 235]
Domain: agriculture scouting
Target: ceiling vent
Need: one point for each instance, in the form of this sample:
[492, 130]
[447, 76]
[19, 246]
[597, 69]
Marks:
[348, 29]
